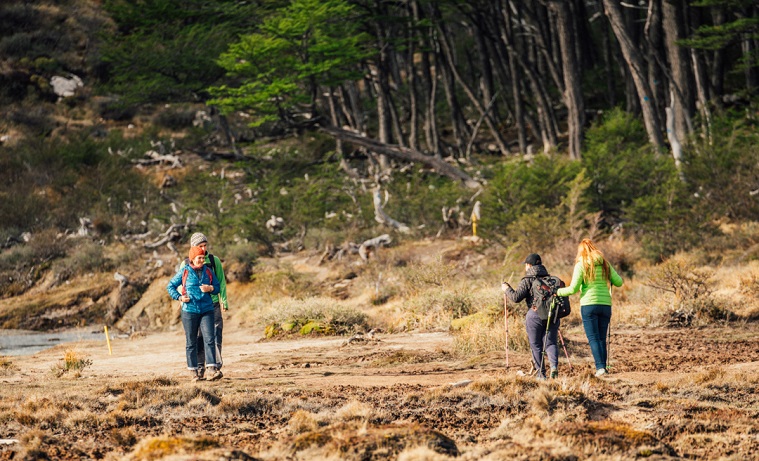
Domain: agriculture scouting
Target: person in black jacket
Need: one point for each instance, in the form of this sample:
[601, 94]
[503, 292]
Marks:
[536, 328]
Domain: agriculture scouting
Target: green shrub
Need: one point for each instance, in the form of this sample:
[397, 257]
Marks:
[723, 172]
[418, 277]
[620, 163]
[520, 187]
[85, 258]
[669, 219]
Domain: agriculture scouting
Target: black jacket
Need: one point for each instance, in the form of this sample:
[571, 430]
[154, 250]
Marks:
[524, 289]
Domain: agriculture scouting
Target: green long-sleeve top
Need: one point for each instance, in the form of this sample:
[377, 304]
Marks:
[593, 292]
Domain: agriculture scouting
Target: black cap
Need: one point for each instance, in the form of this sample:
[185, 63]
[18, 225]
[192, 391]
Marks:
[533, 259]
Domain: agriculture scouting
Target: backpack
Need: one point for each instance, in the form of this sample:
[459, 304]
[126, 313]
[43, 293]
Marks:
[184, 277]
[545, 301]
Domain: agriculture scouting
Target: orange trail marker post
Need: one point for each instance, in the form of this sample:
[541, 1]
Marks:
[107, 339]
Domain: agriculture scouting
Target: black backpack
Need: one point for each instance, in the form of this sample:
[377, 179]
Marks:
[545, 301]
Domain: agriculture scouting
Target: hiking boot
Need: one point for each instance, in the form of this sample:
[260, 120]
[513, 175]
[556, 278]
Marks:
[201, 372]
[554, 373]
[214, 374]
[601, 372]
[195, 376]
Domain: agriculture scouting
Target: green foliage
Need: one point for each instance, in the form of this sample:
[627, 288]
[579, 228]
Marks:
[669, 219]
[165, 50]
[620, 164]
[56, 182]
[308, 43]
[520, 187]
[417, 197]
[535, 229]
[723, 173]
[85, 258]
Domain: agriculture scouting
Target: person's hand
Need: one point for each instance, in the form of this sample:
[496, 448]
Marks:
[184, 298]
[206, 288]
[225, 307]
[504, 286]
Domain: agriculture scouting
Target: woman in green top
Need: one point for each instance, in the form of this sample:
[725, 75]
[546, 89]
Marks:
[591, 274]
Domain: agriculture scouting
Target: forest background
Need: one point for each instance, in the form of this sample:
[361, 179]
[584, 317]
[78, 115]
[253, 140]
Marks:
[277, 127]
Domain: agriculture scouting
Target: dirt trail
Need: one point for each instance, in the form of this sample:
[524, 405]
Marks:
[643, 356]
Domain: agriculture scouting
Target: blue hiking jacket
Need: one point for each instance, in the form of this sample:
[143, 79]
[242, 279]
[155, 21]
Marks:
[200, 302]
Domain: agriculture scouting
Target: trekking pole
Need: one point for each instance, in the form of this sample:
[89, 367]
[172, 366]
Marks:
[564, 346]
[506, 320]
[608, 334]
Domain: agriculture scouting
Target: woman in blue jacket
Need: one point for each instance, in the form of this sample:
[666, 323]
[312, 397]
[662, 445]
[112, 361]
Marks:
[193, 285]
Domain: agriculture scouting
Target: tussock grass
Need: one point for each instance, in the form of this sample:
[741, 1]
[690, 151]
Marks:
[302, 421]
[355, 411]
[317, 316]
[422, 453]
[488, 334]
[74, 362]
[250, 405]
[7, 367]
[154, 448]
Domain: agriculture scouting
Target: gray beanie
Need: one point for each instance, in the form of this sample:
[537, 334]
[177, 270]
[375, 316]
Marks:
[197, 238]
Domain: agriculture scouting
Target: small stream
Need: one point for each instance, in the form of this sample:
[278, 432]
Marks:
[23, 342]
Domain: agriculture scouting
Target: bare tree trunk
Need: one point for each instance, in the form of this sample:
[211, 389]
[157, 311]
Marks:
[611, 97]
[457, 121]
[413, 135]
[497, 137]
[339, 142]
[483, 52]
[506, 35]
[673, 20]
[572, 79]
[429, 85]
[749, 45]
[718, 64]
[653, 32]
[637, 71]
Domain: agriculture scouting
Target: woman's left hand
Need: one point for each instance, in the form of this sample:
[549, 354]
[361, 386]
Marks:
[206, 288]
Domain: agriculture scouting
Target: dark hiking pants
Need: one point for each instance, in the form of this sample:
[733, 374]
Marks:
[536, 334]
[218, 326]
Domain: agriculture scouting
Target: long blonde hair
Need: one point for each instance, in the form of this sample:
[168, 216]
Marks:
[589, 256]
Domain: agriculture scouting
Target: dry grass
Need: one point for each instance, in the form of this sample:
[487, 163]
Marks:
[161, 447]
[7, 367]
[73, 362]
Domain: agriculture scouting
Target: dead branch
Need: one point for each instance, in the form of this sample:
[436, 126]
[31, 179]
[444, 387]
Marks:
[403, 153]
[381, 217]
[171, 234]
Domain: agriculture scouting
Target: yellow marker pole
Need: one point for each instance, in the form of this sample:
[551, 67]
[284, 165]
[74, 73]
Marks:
[107, 339]
[474, 225]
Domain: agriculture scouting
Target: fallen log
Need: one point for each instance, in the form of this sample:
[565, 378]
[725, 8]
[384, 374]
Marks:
[403, 153]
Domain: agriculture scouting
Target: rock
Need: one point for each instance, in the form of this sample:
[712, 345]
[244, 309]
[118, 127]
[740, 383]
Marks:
[66, 87]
